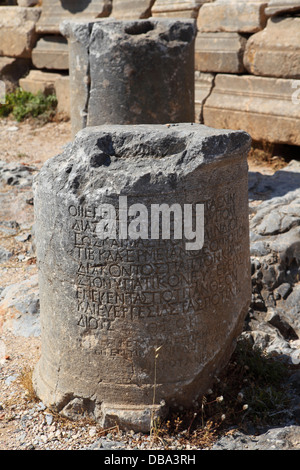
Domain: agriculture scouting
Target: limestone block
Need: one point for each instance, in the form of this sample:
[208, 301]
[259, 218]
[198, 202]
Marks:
[220, 52]
[138, 320]
[39, 81]
[203, 86]
[51, 52]
[275, 51]
[27, 3]
[131, 9]
[177, 8]
[12, 69]
[262, 106]
[277, 7]
[56, 11]
[62, 91]
[238, 16]
[131, 72]
[18, 31]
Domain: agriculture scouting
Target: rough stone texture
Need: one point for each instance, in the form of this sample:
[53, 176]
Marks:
[51, 52]
[108, 305]
[20, 308]
[131, 9]
[275, 51]
[177, 8]
[277, 7]
[262, 106]
[131, 72]
[238, 16]
[18, 31]
[27, 3]
[56, 11]
[280, 438]
[275, 255]
[62, 91]
[37, 81]
[220, 52]
[203, 86]
[11, 70]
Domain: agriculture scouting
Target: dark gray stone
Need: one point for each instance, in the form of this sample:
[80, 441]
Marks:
[108, 305]
[131, 72]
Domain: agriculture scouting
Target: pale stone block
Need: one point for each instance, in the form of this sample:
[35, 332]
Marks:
[177, 8]
[220, 52]
[62, 91]
[233, 16]
[27, 3]
[51, 52]
[262, 106]
[18, 31]
[277, 7]
[56, 11]
[275, 51]
[39, 81]
[131, 9]
[203, 86]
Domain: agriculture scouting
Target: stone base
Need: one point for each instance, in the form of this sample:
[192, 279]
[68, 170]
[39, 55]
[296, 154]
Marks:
[138, 418]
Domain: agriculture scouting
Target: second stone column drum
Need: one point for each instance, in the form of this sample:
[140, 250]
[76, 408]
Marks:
[142, 241]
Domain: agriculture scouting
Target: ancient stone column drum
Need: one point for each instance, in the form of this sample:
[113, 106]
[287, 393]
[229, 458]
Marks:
[131, 72]
[142, 242]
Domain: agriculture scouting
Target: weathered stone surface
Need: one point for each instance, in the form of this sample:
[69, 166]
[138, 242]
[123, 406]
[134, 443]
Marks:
[37, 81]
[56, 11]
[131, 72]
[20, 308]
[279, 438]
[51, 52]
[27, 3]
[18, 31]
[275, 250]
[238, 16]
[277, 7]
[115, 310]
[275, 51]
[62, 91]
[256, 104]
[12, 69]
[131, 9]
[177, 8]
[220, 52]
[203, 87]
